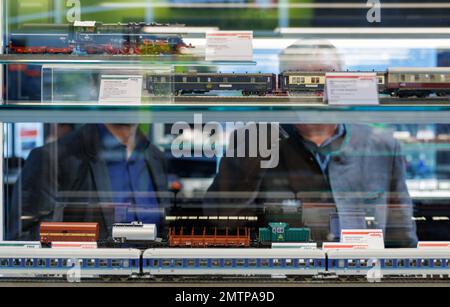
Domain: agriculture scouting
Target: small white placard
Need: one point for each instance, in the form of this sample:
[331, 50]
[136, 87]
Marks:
[374, 238]
[326, 246]
[229, 46]
[89, 24]
[120, 89]
[351, 89]
[433, 245]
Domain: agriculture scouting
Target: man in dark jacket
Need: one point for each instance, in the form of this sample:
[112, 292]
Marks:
[111, 172]
[358, 175]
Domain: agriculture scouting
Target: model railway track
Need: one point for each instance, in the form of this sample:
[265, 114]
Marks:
[298, 100]
[232, 281]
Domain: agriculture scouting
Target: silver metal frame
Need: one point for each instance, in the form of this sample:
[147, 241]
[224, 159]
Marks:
[2, 175]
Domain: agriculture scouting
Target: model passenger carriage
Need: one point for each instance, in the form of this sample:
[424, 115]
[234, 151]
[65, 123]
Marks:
[390, 262]
[420, 82]
[200, 83]
[84, 263]
[233, 262]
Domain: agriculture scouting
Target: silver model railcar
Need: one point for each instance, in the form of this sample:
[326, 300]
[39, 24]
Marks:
[85, 263]
[235, 262]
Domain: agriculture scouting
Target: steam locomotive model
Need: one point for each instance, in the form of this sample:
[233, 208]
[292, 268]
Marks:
[294, 263]
[96, 39]
[396, 82]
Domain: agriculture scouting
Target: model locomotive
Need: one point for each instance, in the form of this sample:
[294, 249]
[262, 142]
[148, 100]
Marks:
[282, 233]
[396, 82]
[96, 39]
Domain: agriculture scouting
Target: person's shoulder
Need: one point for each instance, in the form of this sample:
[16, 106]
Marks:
[377, 138]
[68, 145]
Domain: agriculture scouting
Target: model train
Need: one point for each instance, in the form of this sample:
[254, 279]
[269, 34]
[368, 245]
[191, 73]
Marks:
[68, 232]
[141, 235]
[180, 263]
[396, 82]
[92, 38]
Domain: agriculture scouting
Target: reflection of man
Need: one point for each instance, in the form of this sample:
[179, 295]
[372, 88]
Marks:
[101, 166]
[358, 170]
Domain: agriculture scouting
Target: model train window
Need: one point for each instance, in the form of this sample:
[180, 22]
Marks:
[240, 262]
[103, 263]
[179, 263]
[425, 263]
[363, 263]
[403, 78]
[167, 263]
[447, 262]
[116, 263]
[54, 262]
[228, 263]
[264, 262]
[252, 262]
[401, 263]
[41, 262]
[225, 80]
[315, 80]
[301, 263]
[413, 263]
[90, 263]
[156, 263]
[191, 263]
[215, 263]
[388, 263]
[289, 262]
[203, 262]
[380, 80]
[437, 263]
[253, 80]
[276, 262]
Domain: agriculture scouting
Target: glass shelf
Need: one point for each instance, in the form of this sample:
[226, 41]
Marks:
[170, 113]
[179, 60]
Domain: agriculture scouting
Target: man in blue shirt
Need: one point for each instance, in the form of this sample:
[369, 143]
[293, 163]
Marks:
[99, 169]
[133, 194]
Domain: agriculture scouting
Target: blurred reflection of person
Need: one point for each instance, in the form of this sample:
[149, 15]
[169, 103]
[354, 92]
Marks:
[101, 166]
[359, 171]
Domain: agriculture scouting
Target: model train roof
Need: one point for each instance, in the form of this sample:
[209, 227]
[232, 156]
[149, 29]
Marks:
[9, 252]
[232, 253]
[428, 70]
[390, 253]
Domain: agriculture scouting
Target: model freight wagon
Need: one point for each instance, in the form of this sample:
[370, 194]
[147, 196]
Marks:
[68, 232]
[282, 233]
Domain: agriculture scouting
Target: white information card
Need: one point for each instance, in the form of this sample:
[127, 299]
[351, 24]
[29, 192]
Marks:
[351, 89]
[229, 46]
[119, 89]
[433, 245]
[374, 238]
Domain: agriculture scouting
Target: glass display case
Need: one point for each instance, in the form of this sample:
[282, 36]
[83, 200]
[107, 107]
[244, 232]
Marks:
[131, 150]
